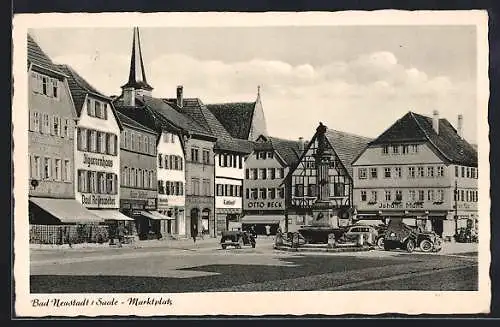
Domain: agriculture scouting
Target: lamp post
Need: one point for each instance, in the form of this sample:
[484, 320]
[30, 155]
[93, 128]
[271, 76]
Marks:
[456, 207]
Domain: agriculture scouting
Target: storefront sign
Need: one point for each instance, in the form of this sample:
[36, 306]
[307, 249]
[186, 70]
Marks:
[151, 204]
[464, 206]
[102, 161]
[265, 204]
[229, 202]
[138, 194]
[98, 200]
[395, 205]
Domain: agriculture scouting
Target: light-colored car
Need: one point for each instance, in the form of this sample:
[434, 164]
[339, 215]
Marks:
[368, 232]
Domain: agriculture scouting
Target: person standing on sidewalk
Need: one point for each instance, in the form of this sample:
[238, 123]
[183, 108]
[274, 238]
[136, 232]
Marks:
[268, 230]
[202, 232]
[195, 231]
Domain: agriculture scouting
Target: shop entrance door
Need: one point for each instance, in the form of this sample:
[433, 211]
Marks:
[437, 225]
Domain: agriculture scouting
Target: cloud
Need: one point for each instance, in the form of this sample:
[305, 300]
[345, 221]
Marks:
[344, 94]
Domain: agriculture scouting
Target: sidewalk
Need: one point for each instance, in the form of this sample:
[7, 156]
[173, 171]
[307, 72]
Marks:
[183, 243]
[457, 248]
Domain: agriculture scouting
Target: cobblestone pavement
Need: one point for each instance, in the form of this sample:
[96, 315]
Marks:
[205, 267]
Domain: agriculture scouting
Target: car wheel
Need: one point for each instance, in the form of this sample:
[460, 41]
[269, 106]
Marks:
[380, 243]
[253, 245]
[224, 246]
[387, 246]
[426, 246]
[410, 246]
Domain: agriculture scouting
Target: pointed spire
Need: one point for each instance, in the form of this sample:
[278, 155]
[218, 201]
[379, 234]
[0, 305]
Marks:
[258, 91]
[137, 75]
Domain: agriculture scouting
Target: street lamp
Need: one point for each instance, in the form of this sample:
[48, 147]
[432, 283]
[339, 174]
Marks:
[34, 183]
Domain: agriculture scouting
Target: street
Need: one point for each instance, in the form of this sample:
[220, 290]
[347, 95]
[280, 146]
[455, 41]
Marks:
[205, 267]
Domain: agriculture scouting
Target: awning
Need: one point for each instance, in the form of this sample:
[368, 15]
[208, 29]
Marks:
[155, 215]
[262, 219]
[111, 215]
[66, 210]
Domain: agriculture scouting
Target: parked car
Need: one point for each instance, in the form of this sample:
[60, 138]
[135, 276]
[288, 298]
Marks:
[237, 239]
[399, 235]
[368, 232]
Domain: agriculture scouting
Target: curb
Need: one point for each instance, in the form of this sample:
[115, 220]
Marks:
[330, 250]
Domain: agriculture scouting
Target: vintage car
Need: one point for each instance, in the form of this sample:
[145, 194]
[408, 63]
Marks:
[368, 232]
[399, 235]
[237, 239]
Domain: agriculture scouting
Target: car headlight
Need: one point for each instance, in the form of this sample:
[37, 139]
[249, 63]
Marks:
[392, 234]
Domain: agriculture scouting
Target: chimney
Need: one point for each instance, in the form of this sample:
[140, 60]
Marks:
[435, 121]
[301, 144]
[460, 125]
[180, 101]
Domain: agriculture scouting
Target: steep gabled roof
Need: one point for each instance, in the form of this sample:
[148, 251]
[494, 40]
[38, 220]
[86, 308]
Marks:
[236, 117]
[127, 121]
[80, 88]
[198, 111]
[415, 127]
[38, 57]
[288, 150]
[347, 146]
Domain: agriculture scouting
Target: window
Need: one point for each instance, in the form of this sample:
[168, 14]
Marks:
[140, 145]
[102, 142]
[262, 155]
[247, 173]
[299, 190]
[195, 155]
[90, 108]
[468, 172]
[373, 197]
[218, 190]
[254, 173]
[406, 149]
[38, 167]
[463, 172]
[456, 171]
[57, 167]
[420, 171]
[196, 186]
[281, 172]
[263, 173]
[388, 195]
[397, 172]
[136, 177]
[46, 124]
[124, 177]
[387, 172]
[167, 162]
[82, 181]
[36, 121]
[362, 173]
[206, 186]
[45, 86]
[54, 87]
[102, 183]
[160, 161]
[93, 141]
[272, 193]
[270, 155]
[440, 195]
[181, 163]
[412, 195]
[56, 125]
[140, 178]
[430, 171]
[263, 193]
[373, 173]
[363, 196]
[411, 172]
[47, 168]
[311, 190]
[430, 195]
[399, 195]
[395, 149]
[414, 148]
[440, 171]
[111, 144]
[247, 193]
[385, 149]
[206, 157]
[281, 193]
[421, 195]
[93, 182]
[65, 129]
[254, 194]
[240, 162]
[66, 172]
[98, 109]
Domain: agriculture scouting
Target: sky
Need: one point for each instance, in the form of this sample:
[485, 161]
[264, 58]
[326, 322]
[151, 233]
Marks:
[357, 79]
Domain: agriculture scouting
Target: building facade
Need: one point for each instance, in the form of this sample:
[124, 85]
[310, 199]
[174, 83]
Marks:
[51, 150]
[265, 186]
[171, 183]
[321, 182]
[138, 184]
[97, 150]
[419, 170]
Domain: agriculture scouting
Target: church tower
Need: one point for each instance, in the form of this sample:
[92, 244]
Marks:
[137, 84]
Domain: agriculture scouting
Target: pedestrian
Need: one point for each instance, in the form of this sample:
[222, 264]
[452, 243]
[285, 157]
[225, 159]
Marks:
[202, 232]
[268, 230]
[121, 234]
[68, 235]
[195, 231]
